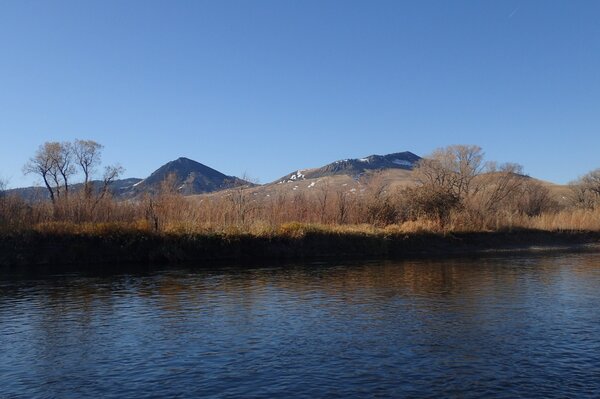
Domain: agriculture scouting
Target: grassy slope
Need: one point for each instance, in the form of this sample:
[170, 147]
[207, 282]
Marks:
[390, 178]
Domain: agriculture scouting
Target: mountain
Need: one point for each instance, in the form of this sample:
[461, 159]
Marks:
[190, 177]
[30, 194]
[118, 188]
[355, 167]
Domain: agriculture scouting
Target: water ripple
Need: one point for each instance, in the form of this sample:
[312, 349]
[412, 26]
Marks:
[503, 327]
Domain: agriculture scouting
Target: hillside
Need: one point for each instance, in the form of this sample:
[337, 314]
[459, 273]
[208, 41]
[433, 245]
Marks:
[119, 189]
[189, 177]
[355, 167]
[347, 175]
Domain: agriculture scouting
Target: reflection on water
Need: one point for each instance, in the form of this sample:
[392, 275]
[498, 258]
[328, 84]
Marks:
[505, 327]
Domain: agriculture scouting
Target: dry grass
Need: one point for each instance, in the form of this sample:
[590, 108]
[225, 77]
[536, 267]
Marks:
[566, 220]
[376, 210]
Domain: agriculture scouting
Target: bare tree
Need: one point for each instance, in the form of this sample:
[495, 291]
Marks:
[379, 208]
[3, 185]
[88, 156]
[62, 156]
[452, 169]
[57, 162]
[446, 179]
[343, 206]
[300, 206]
[43, 164]
[535, 199]
[497, 187]
[586, 190]
[111, 173]
[456, 178]
[243, 203]
[322, 200]
[429, 202]
[158, 204]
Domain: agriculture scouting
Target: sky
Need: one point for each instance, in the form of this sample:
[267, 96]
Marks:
[263, 88]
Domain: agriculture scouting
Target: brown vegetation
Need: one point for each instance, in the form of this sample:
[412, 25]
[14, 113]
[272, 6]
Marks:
[454, 191]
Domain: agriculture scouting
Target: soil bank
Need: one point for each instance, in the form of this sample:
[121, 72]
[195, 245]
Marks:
[34, 248]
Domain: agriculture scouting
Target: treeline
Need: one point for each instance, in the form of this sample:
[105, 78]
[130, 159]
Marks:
[455, 190]
[56, 163]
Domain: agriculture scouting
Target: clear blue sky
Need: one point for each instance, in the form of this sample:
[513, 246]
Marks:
[267, 87]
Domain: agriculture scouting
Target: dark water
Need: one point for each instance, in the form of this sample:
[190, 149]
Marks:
[505, 327]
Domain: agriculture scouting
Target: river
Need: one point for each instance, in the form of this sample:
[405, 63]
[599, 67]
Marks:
[524, 326]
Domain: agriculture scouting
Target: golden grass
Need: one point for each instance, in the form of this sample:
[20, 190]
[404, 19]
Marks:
[98, 229]
[568, 220]
[293, 216]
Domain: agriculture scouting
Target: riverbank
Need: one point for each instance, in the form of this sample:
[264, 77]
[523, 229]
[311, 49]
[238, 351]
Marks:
[143, 247]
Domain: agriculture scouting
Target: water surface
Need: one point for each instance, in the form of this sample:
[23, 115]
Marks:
[495, 327]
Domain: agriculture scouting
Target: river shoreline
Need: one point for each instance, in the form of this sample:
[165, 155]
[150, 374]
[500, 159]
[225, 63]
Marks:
[51, 249]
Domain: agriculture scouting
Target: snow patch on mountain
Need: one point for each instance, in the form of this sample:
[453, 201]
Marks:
[402, 162]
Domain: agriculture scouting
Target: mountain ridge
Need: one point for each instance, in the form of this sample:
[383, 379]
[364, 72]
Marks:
[354, 167]
[191, 177]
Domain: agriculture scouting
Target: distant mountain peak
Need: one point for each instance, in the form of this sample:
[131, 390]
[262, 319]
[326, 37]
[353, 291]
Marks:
[191, 177]
[184, 160]
[355, 167]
